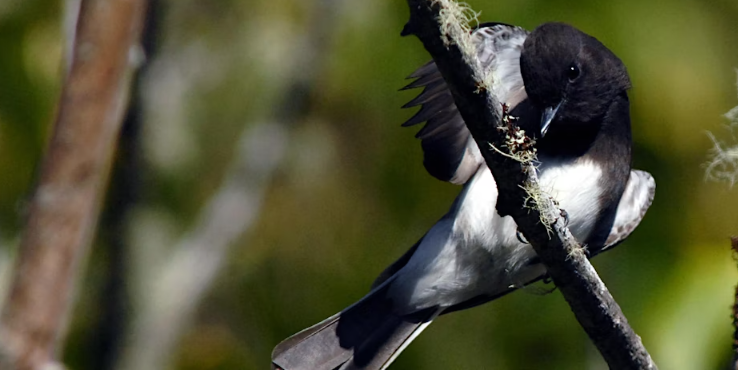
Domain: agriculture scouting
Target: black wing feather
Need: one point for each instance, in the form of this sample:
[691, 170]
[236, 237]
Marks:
[449, 152]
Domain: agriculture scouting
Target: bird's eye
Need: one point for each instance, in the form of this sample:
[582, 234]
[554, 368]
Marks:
[572, 73]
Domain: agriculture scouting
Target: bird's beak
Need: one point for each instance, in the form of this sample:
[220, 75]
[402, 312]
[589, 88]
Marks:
[548, 115]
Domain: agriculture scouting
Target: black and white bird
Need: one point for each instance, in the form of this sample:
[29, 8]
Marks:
[569, 91]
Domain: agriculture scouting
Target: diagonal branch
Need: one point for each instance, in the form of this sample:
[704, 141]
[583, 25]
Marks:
[436, 24]
[65, 205]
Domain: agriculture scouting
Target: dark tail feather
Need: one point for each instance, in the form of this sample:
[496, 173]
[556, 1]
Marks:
[367, 335]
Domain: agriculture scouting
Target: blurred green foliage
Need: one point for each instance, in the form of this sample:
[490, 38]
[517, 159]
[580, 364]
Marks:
[352, 194]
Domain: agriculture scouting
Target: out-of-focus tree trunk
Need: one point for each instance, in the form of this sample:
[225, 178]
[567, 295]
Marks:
[169, 304]
[64, 208]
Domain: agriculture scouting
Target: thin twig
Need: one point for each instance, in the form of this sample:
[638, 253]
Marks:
[734, 362]
[65, 205]
[565, 260]
[106, 340]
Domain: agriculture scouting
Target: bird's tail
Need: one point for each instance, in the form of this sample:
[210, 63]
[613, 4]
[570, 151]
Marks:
[366, 335]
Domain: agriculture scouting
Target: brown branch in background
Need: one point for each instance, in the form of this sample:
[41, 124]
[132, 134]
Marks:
[734, 362]
[565, 260]
[64, 207]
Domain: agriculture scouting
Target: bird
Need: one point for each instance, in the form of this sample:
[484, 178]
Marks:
[568, 91]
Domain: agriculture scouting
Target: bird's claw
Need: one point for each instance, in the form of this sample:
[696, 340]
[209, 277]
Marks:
[565, 215]
[520, 237]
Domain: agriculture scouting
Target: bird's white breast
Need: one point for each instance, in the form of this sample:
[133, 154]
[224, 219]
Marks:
[474, 251]
[576, 187]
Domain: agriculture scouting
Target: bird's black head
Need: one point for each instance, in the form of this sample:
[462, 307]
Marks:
[570, 76]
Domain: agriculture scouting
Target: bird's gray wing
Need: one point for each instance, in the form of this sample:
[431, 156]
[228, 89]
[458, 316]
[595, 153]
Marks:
[450, 153]
[633, 205]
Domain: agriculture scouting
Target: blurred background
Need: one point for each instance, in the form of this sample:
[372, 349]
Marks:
[263, 181]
